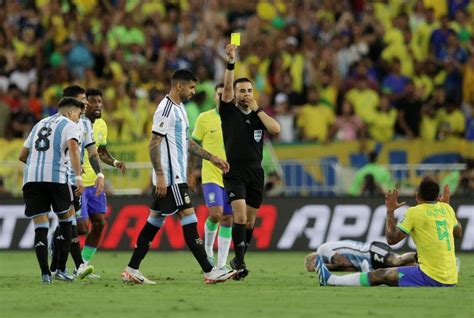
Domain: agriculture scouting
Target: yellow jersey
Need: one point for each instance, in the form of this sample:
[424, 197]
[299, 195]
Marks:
[100, 137]
[208, 132]
[431, 227]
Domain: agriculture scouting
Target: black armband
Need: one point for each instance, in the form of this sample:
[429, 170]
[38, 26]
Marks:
[260, 109]
[230, 66]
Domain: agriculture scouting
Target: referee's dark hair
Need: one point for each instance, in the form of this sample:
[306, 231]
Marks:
[242, 80]
[183, 75]
[70, 102]
[428, 190]
[73, 91]
[220, 85]
[93, 92]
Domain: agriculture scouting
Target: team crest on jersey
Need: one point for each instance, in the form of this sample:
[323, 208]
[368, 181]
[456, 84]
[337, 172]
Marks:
[212, 197]
[257, 135]
[187, 200]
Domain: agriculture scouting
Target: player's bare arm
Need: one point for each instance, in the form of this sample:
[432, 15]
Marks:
[273, 127]
[198, 151]
[75, 156]
[228, 94]
[393, 234]
[191, 180]
[155, 157]
[107, 158]
[24, 152]
[94, 161]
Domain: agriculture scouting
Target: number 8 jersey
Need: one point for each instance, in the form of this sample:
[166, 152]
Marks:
[48, 150]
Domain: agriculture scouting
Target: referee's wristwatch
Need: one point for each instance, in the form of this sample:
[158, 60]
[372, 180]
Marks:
[260, 109]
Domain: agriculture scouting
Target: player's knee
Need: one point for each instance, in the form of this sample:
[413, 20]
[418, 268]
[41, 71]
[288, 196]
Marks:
[226, 220]
[215, 214]
[98, 225]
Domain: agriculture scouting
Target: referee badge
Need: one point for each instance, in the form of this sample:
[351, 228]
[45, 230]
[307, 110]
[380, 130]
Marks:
[257, 135]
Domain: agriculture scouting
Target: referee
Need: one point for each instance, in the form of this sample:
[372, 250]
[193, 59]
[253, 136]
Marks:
[243, 124]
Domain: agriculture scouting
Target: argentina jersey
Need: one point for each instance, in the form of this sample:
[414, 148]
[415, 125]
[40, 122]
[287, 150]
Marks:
[47, 143]
[171, 122]
[87, 139]
[355, 252]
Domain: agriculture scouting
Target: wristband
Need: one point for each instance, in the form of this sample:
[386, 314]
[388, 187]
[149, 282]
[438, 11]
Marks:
[116, 162]
[78, 178]
[230, 66]
[260, 109]
[100, 175]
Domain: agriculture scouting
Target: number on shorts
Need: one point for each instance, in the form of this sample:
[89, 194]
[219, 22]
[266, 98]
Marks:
[42, 142]
[442, 228]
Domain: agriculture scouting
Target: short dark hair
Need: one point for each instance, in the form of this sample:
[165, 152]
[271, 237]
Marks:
[220, 85]
[183, 75]
[428, 190]
[93, 92]
[73, 91]
[70, 102]
[242, 80]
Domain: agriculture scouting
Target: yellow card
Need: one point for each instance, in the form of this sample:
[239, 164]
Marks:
[235, 39]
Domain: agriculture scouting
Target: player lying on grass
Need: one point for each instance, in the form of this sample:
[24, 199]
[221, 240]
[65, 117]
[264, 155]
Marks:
[433, 227]
[352, 256]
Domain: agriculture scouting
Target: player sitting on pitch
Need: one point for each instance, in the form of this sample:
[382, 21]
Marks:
[352, 256]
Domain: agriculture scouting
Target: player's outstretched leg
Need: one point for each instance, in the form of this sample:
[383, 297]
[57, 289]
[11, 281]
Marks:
[326, 278]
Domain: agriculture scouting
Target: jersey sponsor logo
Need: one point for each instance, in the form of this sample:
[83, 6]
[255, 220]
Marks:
[257, 135]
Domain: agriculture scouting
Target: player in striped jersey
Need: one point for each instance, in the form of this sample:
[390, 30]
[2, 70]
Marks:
[81, 268]
[355, 256]
[168, 152]
[50, 145]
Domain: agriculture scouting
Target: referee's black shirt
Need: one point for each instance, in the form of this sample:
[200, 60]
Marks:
[243, 135]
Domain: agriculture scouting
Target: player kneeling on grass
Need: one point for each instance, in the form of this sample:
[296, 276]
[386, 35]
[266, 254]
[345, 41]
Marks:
[352, 256]
[433, 227]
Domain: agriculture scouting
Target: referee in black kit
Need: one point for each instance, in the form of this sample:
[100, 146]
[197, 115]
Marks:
[243, 125]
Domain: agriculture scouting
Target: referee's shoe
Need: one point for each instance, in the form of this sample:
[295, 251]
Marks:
[242, 270]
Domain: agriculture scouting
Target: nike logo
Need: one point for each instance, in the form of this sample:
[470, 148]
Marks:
[213, 130]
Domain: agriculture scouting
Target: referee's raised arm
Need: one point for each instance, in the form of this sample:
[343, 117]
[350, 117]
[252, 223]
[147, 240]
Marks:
[228, 94]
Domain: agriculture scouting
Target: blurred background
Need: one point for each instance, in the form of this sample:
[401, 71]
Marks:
[370, 94]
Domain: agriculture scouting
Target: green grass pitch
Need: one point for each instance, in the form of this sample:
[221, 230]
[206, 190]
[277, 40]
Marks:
[277, 286]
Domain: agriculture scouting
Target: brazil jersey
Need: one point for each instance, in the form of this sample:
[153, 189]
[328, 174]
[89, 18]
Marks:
[100, 137]
[208, 132]
[431, 227]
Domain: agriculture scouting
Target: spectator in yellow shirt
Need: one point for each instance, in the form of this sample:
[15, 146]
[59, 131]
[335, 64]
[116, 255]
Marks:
[314, 119]
[382, 123]
[364, 99]
[452, 121]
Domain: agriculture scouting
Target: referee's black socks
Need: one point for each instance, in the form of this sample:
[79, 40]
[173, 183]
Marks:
[240, 242]
[248, 238]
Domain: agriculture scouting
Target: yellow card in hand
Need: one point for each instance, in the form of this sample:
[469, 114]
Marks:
[235, 39]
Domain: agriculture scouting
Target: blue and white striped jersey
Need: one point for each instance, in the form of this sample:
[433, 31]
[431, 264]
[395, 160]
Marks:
[171, 122]
[87, 139]
[47, 143]
[355, 252]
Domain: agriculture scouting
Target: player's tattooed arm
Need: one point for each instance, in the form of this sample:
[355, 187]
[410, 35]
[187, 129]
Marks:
[94, 160]
[198, 151]
[155, 154]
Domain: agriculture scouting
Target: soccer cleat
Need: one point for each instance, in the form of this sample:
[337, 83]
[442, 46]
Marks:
[134, 276]
[322, 272]
[46, 279]
[93, 276]
[241, 270]
[84, 270]
[218, 276]
[64, 276]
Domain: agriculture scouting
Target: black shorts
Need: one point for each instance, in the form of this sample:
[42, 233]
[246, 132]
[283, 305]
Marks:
[245, 182]
[379, 253]
[76, 200]
[41, 196]
[177, 199]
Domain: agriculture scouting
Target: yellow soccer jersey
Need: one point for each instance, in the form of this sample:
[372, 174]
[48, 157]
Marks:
[208, 132]
[431, 227]
[100, 137]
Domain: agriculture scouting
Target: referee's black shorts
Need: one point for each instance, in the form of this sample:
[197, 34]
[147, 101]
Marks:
[245, 181]
[41, 196]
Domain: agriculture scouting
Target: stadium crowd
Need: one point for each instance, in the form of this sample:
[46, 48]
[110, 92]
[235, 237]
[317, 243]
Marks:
[326, 70]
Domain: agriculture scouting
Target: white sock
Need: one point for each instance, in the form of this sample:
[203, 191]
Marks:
[209, 237]
[223, 250]
[345, 280]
